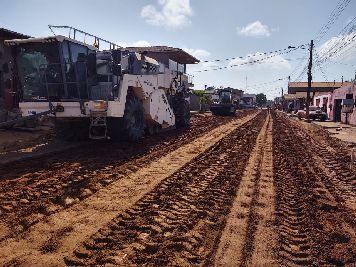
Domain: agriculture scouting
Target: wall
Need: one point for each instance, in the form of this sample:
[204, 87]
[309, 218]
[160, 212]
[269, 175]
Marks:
[341, 94]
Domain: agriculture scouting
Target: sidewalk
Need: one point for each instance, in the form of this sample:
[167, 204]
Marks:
[339, 130]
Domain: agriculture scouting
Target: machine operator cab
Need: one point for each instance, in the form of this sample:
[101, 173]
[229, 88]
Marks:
[222, 96]
[60, 69]
[54, 68]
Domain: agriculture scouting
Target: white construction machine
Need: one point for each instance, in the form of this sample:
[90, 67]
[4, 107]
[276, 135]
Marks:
[117, 93]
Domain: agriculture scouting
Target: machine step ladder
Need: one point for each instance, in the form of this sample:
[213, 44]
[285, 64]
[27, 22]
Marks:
[98, 127]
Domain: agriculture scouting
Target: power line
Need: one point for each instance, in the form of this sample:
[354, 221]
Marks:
[261, 85]
[248, 56]
[254, 61]
[334, 15]
[343, 36]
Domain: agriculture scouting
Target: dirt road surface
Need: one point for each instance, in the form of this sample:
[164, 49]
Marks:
[257, 189]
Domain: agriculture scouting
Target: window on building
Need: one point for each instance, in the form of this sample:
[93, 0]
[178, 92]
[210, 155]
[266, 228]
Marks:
[349, 96]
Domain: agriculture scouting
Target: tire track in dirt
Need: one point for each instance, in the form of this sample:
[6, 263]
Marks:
[293, 225]
[180, 221]
[59, 182]
[248, 238]
[333, 164]
[86, 217]
[313, 227]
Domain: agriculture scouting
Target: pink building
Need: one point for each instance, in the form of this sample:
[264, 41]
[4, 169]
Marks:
[324, 102]
[340, 96]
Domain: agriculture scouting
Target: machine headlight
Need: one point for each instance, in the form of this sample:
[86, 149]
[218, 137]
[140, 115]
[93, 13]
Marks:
[100, 104]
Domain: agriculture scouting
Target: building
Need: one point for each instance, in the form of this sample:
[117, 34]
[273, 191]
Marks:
[293, 102]
[325, 87]
[248, 100]
[320, 95]
[342, 107]
[8, 96]
[173, 58]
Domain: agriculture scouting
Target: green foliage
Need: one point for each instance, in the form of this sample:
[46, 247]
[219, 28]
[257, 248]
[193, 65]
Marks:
[204, 98]
[261, 99]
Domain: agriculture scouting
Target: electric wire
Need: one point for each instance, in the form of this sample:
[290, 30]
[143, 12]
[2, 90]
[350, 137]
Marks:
[251, 62]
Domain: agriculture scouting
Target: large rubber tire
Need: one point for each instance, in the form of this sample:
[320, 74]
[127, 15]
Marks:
[182, 112]
[77, 130]
[131, 126]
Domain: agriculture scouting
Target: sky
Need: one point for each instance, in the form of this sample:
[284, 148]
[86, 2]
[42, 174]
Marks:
[238, 30]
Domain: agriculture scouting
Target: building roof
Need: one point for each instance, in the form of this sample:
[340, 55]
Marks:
[175, 54]
[294, 87]
[11, 34]
[298, 95]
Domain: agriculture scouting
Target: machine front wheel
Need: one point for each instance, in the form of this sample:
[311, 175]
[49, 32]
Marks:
[131, 127]
[181, 112]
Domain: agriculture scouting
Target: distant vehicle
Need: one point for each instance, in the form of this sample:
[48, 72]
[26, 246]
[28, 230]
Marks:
[224, 103]
[315, 113]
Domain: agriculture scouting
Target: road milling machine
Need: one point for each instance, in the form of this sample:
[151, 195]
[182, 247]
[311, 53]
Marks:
[224, 102]
[116, 93]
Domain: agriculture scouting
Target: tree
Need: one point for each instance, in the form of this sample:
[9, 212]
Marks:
[261, 99]
[204, 98]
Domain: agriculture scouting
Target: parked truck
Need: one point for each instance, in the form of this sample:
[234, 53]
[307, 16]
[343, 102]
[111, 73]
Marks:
[116, 93]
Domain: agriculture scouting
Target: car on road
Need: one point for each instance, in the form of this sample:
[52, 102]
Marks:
[315, 113]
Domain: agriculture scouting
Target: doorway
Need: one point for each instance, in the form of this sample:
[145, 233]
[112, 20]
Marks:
[337, 110]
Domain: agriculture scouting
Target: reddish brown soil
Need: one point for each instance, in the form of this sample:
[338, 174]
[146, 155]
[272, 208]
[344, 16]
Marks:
[34, 188]
[256, 190]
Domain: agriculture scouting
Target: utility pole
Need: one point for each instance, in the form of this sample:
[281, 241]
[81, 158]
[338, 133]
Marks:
[282, 100]
[309, 79]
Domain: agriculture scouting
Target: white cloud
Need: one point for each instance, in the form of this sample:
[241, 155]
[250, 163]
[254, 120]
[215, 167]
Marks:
[198, 53]
[255, 29]
[248, 63]
[140, 43]
[168, 13]
[340, 47]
